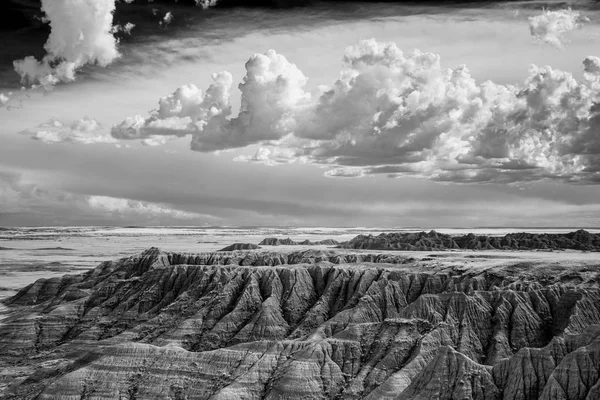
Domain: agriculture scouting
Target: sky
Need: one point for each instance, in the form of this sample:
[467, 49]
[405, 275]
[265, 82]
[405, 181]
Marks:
[328, 115]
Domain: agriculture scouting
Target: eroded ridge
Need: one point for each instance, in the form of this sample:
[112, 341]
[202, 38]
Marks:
[307, 324]
[428, 241]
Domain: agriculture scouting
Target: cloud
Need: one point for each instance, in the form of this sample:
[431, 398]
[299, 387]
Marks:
[262, 155]
[271, 90]
[125, 28]
[81, 33]
[272, 156]
[18, 196]
[32, 203]
[345, 172]
[4, 99]
[85, 131]
[167, 19]
[187, 111]
[120, 206]
[551, 26]
[206, 3]
[12, 100]
[396, 114]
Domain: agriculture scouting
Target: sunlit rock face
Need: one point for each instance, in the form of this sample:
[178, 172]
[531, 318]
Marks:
[308, 324]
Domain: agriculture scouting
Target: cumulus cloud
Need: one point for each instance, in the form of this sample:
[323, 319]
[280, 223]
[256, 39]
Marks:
[187, 111]
[396, 114]
[86, 131]
[81, 33]
[270, 92]
[551, 26]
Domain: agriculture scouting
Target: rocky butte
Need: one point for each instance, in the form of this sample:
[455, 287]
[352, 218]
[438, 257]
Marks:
[310, 324]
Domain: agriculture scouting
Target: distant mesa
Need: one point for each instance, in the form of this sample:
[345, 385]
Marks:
[241, 246]
[290, 242]
[430, 241]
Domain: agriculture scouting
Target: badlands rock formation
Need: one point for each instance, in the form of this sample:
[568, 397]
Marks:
[290, 242]
[240, 246]
[428, 241]
[307, 325]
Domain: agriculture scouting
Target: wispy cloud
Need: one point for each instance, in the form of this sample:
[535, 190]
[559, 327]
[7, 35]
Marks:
[123, 207]
[39, 205]
[86, 130]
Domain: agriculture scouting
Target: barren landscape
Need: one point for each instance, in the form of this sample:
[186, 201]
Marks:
[310, 323]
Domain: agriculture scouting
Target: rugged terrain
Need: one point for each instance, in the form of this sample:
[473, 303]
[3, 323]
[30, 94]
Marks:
[240, 246]
[290, 242]
[309, 324]
[428, 241]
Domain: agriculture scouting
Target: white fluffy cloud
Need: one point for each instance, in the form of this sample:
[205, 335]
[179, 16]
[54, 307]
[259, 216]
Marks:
[85, 130]
[551, 26]
[189, 110]
[396, 114]
[81, 33]
[272, 90]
